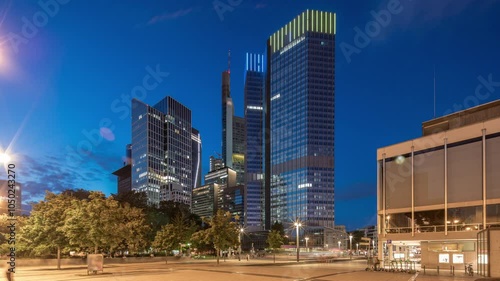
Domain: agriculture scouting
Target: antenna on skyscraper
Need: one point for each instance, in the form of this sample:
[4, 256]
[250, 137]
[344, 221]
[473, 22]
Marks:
[434, 91]
[229, 61]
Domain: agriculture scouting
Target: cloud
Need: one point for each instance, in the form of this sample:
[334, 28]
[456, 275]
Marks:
[49, 173]
[170, 16]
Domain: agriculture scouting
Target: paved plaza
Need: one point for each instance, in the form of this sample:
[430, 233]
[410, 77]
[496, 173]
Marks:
[233, 270]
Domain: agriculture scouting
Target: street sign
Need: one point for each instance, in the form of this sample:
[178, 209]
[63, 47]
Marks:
[364, 244]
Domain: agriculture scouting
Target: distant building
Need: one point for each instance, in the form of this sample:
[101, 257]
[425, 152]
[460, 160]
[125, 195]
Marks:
[340, 238]
[254, 116]
[196, 157]
[124, 180]
[124, 174]
[7, 207]
[216, 163]
[227, 119]
[233, 201]
[204, 202]
[239, 149]
[162, 153]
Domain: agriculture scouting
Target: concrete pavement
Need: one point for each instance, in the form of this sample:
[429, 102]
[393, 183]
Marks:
[232, 269]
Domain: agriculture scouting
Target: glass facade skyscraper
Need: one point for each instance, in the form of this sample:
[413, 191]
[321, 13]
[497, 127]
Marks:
[162, 151]
[254, 94]
[300, 89]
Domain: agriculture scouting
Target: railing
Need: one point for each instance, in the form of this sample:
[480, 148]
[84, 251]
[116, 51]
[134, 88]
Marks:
[439, 228]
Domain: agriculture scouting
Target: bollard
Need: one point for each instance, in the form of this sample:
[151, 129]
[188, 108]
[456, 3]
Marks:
[453, 272]
[424, 269]
[438, 269]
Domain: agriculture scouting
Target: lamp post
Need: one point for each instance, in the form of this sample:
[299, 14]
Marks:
[307, 240]
[297, 224]
[339, 244]
[350, 242]
[4, 157]
[239, 240]
[357, 248]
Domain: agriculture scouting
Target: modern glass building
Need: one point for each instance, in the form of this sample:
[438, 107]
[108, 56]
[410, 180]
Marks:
[238, 155]
[254, 116]
[196, 157]
[227, 120]
[300, 92]
[162, 151]
[436, 192]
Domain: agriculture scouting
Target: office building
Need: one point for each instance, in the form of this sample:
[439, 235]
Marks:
[124, 174]
[162, 151]
[227, 119]
[205, 199]
[254, 117]
[238, 161]
[216, 163]
[299, 122]
[196, 157]
[436, 192]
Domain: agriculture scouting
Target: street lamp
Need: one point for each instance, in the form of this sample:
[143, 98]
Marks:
[239, 240]
[307, 240]
[4, 158]
[350, 242]
[297, 224]
[339, 244]
[357, 248]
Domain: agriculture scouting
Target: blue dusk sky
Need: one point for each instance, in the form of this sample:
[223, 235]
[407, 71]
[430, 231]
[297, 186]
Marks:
[68, 70]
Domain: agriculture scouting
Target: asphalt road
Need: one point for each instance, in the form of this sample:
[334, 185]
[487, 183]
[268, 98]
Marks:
[233, 270]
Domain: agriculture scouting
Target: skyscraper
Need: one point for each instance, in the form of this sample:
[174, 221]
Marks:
[162, 151]
[196, 157]
[299, 152]
[227, 119]
[254, 89]
[238, 155]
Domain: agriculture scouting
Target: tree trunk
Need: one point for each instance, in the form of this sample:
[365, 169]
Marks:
[274, 257]
[95, 249]
[166, 261]
[217, 250]
[58, 257]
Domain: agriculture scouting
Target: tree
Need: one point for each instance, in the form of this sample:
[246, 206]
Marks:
[279, 227]
[137, 199]
[174, 234]
[80, 194]
[275, 240]
[44, 229]
[97, 222]
[222, 232]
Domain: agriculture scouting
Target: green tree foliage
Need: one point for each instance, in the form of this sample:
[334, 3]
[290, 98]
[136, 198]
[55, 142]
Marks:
[80, 194]
[103, 223]
[137, 199]
[172, 235]
[222, 232]
[44, 229]
[275, 240]
[277, 226]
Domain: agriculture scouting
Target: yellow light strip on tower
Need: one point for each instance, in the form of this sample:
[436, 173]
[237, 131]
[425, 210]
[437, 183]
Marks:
[307, 20]
[303, 20]
[317, 24]
[334, 23]
[322, 25]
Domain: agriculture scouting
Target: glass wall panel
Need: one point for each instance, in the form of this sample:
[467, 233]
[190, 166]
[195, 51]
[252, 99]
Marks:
[465, 172]
[429, 178]
[398, 182]
[465, 218]
[493, 168]
[429, 221]
[493, 214]
[398, 223]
